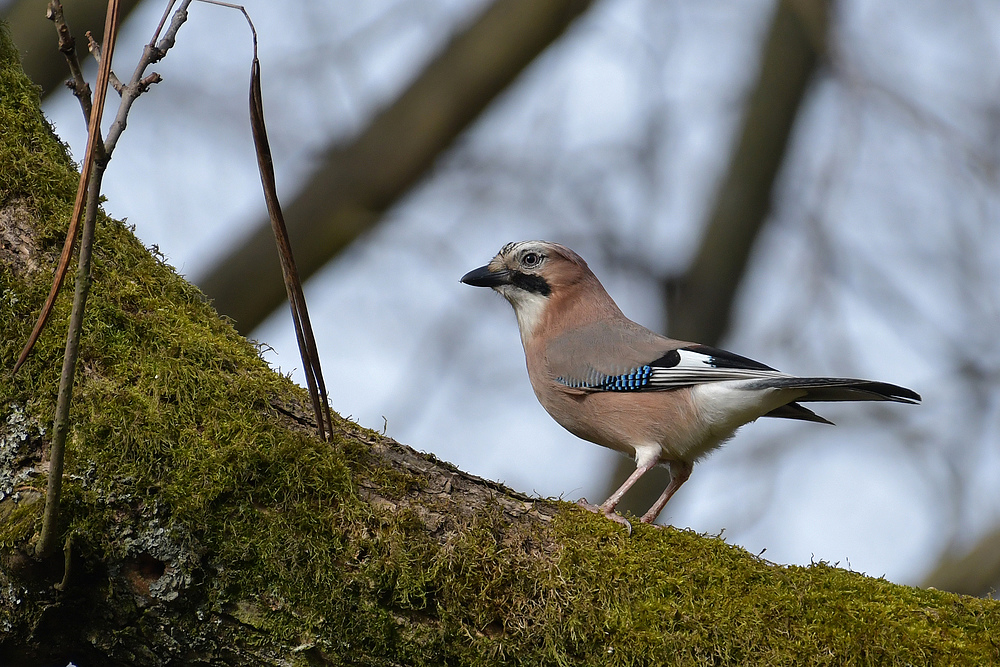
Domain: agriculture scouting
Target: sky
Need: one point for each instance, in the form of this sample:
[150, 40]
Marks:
[879, 259]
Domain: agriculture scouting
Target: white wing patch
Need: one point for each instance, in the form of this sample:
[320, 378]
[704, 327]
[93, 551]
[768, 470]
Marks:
[698, 368]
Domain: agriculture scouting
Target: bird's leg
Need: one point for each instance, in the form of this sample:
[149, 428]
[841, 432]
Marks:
[607, 508]
[609, 505]
[679, 472]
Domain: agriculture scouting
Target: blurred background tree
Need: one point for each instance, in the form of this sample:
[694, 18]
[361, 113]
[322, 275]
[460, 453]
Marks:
[813, 185]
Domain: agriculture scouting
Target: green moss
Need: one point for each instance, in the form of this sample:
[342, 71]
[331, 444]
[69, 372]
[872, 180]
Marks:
[18, 522]
[172, 428]
[33, 164]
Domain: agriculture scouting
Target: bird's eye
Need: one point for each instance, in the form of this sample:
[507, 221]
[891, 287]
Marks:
[531, 259]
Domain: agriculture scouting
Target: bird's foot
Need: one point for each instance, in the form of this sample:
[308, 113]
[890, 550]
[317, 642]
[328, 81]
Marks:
[609, 513]
[582, 502]
[618, 518]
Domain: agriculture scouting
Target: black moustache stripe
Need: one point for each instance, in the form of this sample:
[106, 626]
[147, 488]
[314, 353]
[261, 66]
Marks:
[530, 283]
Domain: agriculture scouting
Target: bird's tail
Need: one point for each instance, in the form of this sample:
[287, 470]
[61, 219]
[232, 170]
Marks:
[832, 389]
[840, 389]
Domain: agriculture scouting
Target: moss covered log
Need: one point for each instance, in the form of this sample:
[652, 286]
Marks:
[207, 525]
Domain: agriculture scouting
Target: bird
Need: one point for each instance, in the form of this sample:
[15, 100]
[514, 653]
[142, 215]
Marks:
[613, 382]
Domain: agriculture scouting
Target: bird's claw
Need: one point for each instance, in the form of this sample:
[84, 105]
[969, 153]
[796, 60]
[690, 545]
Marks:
[618, 518]
[582, 502]
[610, 514]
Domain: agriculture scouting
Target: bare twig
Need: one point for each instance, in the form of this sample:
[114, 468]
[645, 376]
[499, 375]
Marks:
[90, 185]
[148, 81]
[95, 162]
[67, 46]
[96, 152]
[139, 83]
[67, 564]
[80, 88]
[95, 50]
[97, 155]
[163, 20]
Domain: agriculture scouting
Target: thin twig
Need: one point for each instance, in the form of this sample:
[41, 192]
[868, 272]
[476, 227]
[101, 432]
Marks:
[95, 50]
[90, 178]
[139, 83]
[95, 162]
[80, 88]
[163, 20]
[60, 425]
[67, 564]
[67, 46]
[96, 152]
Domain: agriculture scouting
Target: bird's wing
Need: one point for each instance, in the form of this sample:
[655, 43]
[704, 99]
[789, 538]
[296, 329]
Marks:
[623, 356]
[698, 364]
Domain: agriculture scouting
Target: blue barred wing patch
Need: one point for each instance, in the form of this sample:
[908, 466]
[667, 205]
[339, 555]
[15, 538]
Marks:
[633, 380]
[683, 367]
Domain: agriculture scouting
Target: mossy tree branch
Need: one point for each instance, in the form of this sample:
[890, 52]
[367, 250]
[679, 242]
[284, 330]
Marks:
[211, 527]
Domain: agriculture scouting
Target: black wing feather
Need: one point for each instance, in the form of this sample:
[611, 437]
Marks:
[726, 359]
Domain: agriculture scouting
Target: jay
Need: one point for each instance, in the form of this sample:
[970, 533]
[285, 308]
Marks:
[613, 382]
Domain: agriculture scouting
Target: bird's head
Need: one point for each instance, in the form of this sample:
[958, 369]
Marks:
[529, 274]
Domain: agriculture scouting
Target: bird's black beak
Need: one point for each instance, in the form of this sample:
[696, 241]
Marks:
[486, 277]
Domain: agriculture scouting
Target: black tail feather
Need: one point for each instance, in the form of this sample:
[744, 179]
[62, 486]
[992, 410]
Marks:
[796, 411]
[840, 389]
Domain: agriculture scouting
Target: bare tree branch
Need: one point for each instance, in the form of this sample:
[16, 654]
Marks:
[67, 46]
[974, 573]
[699, 303]
[33, 35]
[90, 191]
[358, 182]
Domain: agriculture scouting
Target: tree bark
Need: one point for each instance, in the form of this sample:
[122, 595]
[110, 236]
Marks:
[205, 524]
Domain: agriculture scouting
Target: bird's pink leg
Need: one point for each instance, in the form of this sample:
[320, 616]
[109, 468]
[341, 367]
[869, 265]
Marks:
[607, 508]
[679, 472]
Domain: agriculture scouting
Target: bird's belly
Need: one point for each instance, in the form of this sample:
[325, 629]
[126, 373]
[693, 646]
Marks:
[624, 420]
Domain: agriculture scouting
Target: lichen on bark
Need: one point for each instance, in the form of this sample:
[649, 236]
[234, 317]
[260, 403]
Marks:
[209, 526]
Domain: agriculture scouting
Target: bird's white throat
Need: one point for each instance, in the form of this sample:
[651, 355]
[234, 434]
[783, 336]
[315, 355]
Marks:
[529, 308]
